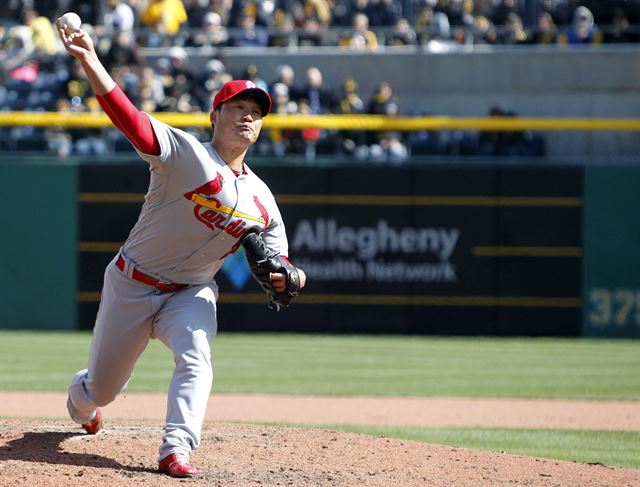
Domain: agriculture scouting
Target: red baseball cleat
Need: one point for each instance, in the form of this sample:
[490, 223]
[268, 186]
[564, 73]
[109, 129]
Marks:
[177, 465]
[95, 425]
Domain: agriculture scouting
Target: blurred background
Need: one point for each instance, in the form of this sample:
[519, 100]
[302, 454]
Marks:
[497, 196]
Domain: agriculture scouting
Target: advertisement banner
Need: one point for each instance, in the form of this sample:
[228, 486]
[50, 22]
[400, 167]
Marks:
[438, 249]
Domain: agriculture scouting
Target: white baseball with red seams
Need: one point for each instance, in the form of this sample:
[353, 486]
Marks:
[70, 21]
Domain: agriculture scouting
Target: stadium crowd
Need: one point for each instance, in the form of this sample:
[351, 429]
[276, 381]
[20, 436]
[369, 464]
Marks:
[36, 77]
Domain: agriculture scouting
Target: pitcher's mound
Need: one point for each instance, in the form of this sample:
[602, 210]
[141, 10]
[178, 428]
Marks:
[125, 454]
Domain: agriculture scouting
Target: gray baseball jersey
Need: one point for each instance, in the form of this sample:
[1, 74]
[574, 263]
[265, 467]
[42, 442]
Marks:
[196, 210]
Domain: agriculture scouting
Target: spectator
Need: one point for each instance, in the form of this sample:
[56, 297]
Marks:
[502, 11]
[42, 33]
[561, 11]
[212, 32]
[319, 11]
[434, 28]
[359, 37]
[546, 31]
[180, 97]
[251, 73]
[509, 143]
[484, 31]
[582, 30]
[455, 12]
[124, 51]
[164, 17]
[176, 78]
[318, 96]
[163, 71]
[284, 30]
[223, 9]
[621, 30]
[383, 102]
[437, 36]
[311, 34]
[360, 7]
[90, 11]
[179, 69]
[262, 12]
[350, 104]
[342, 13]
[151, 90]
[297, 13]
[484, 8]
[383, 13]
[285, 75]
[382, 97]
[196, 11]
[281, 139]
[129, 82]
[78, 86]
[215, 75]
[513, 31]
[137, 6]
[389, 146]
[249, 35]
[423, 16]
[282, 102]
[119, 17]
[17, 53]
[402, 34]
[494, 143]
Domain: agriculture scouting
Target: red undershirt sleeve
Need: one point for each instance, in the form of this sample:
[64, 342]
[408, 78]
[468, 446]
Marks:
[135, 125]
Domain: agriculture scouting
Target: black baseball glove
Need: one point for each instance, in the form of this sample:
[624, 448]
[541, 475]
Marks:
[263, 261]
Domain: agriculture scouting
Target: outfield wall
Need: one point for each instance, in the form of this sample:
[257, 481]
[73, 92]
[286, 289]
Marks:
[611, 281]
[455, 249]
[38, 254]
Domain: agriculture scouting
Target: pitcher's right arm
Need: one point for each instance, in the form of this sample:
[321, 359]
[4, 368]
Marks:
[134, 124]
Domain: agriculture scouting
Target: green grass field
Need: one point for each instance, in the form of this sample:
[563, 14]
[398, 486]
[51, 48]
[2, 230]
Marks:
[383, 366]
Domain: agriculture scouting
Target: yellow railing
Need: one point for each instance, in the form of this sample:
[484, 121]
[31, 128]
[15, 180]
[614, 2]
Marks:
[342, 122]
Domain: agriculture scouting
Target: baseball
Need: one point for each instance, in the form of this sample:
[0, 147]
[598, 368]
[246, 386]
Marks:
[70, 22]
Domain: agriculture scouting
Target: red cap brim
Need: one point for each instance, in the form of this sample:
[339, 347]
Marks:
[234, 88]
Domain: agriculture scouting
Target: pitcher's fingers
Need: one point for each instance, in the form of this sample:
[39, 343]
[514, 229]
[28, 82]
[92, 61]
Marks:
[277, 281]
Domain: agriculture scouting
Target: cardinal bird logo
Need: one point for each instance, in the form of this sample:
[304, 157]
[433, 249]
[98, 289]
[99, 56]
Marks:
[207, 189]
[209, 210]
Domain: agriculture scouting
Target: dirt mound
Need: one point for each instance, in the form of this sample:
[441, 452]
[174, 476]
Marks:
[381, 411]
[54, 453]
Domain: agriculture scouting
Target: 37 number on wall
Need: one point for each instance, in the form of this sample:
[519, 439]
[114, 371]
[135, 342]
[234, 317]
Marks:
[614, 307]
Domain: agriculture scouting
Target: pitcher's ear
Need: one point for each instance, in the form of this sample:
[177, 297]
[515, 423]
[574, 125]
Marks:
[213, 116]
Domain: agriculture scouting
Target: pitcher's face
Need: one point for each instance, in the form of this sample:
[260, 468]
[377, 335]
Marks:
[239, 119]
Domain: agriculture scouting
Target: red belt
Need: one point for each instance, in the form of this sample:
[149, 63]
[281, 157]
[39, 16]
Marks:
[164, 287]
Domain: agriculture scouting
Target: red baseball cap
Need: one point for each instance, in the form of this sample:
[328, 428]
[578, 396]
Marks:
[233, 88]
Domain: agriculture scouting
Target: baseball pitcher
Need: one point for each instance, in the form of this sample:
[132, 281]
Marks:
[202, 204]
